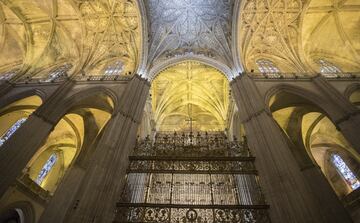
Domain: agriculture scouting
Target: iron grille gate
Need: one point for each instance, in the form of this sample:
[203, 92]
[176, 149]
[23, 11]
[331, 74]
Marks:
[202, 178]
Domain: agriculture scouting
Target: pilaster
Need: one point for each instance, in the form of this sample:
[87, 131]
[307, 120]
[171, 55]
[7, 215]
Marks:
[290, 197]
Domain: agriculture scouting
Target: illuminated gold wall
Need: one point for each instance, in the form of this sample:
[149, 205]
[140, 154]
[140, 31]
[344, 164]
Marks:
[190, 90]
[296, 34]
[38, 35]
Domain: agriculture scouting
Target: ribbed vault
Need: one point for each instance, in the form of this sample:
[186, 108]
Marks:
[270, 30]
[295, 34]
[38, 34]
[190, 93]
[331, 30]
[179, 27]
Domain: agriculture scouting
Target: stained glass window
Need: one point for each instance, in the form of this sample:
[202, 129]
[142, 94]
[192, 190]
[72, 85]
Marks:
[46, 169]
[268, 68]
[11, 130]
[328, 69]
[115, 69]
[58, 72]
[345, 171]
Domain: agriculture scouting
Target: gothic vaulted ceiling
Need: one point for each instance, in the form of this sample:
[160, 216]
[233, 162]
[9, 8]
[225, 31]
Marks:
[178, 27]
[190, 95]
[35, 34]
[270, 30]
[294, 34]
[331, 30]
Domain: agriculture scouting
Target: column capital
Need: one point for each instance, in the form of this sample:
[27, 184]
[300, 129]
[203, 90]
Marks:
[248, 98]
[338, 100]
[135, 95]
[346, 117]
[44, 118]
[146, 81]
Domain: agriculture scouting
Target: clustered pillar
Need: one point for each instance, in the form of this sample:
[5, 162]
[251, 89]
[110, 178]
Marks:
[290, 197]
[100, 189]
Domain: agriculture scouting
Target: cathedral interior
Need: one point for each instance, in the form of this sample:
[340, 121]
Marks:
[179, 111]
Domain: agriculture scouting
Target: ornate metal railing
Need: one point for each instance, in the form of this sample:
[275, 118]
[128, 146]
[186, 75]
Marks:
[101, 78]
[196, 214]
[190, 177]
[41, 80]
[200, 165]
[302, 75]
[214, 144]
[78, 78]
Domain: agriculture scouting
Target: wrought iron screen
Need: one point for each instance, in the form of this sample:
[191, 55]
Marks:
[191, 178]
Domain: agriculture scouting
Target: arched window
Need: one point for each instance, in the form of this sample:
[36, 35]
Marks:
[345, 171]
[7, 75]
[114, 69]
[46, 169]
[328, 69]
[58, 72]
[11, 130]
[268, 68]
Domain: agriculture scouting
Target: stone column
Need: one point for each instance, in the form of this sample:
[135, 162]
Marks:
[5, 87]
[284, 185]
[101, 187]
[316, 180]
[348, 120]
[24, 143]
[63, 197]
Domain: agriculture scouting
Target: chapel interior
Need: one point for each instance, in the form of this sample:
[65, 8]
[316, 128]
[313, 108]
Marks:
[179, 111]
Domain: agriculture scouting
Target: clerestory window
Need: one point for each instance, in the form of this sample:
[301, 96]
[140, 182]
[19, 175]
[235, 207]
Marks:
[11, 130]
[58, 72]
[328, 69]
[114, 69]
[268, 68]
